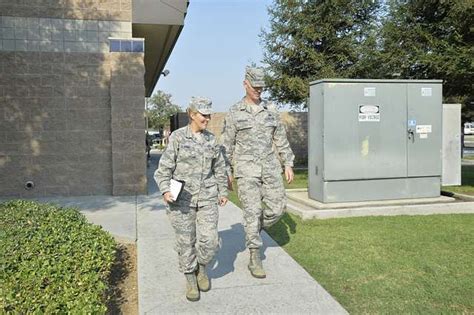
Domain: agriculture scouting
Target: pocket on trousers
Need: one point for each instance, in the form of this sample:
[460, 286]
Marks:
[244, 167]
[209, 182]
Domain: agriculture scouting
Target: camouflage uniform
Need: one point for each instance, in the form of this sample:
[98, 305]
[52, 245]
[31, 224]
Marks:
[200, 164]
[249, 139]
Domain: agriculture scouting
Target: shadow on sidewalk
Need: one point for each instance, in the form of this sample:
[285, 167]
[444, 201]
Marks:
[281, 231]
[232, 243]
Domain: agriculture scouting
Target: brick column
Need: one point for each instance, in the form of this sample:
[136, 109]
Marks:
[127, 93]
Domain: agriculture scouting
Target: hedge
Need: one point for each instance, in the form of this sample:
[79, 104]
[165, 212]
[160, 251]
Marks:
[52, 260]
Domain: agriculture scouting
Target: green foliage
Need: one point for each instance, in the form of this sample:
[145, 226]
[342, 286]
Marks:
[412, 39]
[160, 109]
[310, 40]
[431, 40]
[387, 265]
[159, 146]
[53, 260]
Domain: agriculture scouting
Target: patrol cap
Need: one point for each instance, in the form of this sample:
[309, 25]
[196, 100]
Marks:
[255, 76]
[200, 104]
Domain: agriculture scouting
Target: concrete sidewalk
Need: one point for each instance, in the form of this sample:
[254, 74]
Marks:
[288, 288]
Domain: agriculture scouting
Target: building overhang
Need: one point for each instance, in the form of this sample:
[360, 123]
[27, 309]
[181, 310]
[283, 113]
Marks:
[160, 24]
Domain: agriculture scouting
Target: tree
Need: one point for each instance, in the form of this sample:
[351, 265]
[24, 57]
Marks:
[159, 109]
[410, 39]
[431, 39]
[314, 39]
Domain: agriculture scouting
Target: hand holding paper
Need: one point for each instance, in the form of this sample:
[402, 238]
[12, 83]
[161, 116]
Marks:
[176, 187]
[168, 198]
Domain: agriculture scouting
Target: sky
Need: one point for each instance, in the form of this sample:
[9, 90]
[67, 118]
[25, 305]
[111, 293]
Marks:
[219, 38]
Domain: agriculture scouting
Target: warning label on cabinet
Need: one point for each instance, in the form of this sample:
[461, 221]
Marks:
[423, 129]
[426, 91]
[369, 113]
[369, 91]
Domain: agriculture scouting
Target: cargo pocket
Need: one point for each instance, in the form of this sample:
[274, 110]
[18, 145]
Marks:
[210, 189]
[244, 166]
[243, 125]
[186, 153]
[270, 123]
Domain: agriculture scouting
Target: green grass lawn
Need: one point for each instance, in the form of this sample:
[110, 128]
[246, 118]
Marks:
[233, 197]
[467, 180]
[300, 180]
[388, 265]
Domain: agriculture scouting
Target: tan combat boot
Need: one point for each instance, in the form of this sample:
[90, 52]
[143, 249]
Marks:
[192, 291]
[255, 264]
[203, 282]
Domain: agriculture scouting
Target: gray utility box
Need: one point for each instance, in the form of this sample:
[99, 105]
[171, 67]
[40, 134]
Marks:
[374, 139]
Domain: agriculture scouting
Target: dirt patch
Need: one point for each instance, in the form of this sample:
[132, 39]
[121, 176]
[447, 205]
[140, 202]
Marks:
[123, 279]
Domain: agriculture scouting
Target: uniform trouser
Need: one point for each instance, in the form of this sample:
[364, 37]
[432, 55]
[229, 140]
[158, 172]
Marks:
[196, 234]
[252, 191]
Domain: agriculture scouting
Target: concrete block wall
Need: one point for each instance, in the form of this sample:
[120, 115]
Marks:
[55, 127]
[216, 124]
[112, 10]
[296, 125]
[128, 124]
[60, 109]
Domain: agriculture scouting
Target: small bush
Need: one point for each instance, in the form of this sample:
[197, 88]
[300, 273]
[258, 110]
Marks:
[52, 260]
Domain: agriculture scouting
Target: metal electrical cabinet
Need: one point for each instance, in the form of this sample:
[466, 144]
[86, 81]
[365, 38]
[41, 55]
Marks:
[374, 139]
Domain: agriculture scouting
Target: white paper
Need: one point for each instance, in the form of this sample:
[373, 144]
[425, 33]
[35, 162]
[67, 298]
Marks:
[175, 188]
[423, 129]
[369, 91]
[426, 91]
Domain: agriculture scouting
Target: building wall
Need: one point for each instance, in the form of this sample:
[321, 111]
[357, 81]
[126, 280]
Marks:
[107, 10]
[128, 124]
[59, 35]
[296, 125]
[71, 112]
